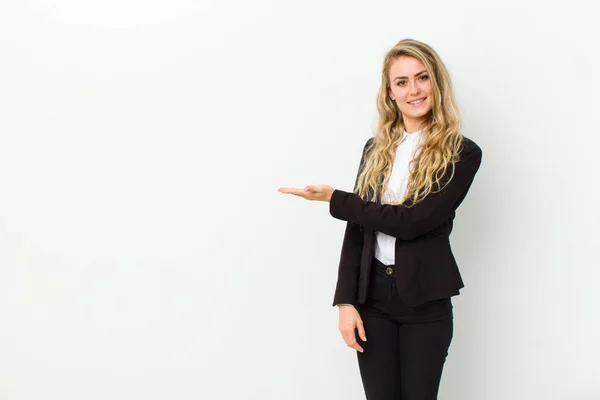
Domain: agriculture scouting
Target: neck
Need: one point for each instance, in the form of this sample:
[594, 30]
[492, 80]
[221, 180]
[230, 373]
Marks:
[411, 125]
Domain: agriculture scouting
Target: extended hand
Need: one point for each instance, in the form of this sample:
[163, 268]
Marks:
[311, 192]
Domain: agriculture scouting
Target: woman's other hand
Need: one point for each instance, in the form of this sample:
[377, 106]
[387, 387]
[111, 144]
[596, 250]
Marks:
[311, 192]
[349, 321]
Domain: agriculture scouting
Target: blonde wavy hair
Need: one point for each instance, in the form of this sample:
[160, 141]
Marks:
[441, 132]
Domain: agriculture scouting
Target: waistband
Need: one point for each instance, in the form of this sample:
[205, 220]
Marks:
[382, 269]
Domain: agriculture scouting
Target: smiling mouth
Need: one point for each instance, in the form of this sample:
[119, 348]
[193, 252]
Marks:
[417, 102]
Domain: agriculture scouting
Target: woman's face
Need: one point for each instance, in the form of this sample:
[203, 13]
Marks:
[410, 83]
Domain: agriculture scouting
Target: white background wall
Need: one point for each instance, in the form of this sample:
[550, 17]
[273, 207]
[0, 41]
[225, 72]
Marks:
[145, 252]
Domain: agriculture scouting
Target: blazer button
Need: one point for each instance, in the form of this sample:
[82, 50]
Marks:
[389, 270]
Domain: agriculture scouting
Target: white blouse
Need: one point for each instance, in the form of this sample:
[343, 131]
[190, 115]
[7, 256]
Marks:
[396, 191]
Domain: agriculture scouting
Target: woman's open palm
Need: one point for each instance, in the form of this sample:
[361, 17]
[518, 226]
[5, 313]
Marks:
[310, 192]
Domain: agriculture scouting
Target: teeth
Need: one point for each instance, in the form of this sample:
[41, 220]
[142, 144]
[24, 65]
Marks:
[416, 102]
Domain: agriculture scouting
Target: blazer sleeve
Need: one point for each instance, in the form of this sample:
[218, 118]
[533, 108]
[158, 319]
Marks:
[349, 265]
[407, 223]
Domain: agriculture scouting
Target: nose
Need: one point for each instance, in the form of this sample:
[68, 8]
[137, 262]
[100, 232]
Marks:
[414, 88]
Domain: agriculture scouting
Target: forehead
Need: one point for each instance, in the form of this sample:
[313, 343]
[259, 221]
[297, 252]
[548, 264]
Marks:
[405, 66]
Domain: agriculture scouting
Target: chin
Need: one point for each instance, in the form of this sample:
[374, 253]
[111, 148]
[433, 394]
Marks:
[418, 115]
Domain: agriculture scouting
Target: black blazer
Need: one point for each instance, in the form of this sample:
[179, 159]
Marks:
[426, 268]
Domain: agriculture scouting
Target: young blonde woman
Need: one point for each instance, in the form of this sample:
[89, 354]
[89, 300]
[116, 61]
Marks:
[397, 272]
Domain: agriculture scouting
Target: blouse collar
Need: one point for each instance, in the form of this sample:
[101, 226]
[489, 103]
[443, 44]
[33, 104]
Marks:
[412, 136]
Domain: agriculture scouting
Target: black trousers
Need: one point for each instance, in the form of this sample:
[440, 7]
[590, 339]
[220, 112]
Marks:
[406, 347]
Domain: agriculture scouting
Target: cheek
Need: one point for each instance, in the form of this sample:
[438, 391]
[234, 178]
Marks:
[426, 87]
[398, 92]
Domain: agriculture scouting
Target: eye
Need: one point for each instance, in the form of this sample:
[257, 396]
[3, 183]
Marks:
[422, 77]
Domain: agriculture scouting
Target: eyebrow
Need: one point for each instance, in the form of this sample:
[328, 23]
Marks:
[406, 77]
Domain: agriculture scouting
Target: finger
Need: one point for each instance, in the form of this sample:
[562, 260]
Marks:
[294, 191]
[350, 340]
[291, 190]
[361, 330]
[357, 347]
